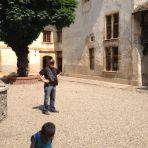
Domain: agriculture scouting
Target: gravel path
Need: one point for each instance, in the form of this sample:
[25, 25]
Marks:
[90, 116]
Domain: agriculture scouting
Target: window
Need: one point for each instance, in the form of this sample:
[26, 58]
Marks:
[47, 36]
[86, 1]
[91, 58]
[112, 26]
[59, 60]
[59, 36]
[116, 26]
[144, 32]
[111, 58]
[145, 27]
[108, 27]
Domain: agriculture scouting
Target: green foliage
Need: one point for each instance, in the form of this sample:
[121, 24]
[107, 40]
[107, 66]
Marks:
[21, 21]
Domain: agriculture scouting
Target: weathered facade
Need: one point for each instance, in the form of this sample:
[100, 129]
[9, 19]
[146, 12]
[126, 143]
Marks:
[40, 51]
[105, 42]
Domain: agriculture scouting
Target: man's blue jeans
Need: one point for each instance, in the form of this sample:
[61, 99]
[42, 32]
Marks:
[50, 92]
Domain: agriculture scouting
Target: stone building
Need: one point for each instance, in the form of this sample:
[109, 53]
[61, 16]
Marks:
[40, 51]
[107, 41]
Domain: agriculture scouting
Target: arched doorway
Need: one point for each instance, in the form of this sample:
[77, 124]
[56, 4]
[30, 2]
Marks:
[46, 60]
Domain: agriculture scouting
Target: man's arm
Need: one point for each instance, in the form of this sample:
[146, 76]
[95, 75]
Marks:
[41, 76]
[59, 73]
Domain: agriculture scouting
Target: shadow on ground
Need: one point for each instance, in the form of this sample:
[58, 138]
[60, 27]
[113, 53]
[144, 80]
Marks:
[13, 78]
[143, 88]
[40, 107]
[6, 78]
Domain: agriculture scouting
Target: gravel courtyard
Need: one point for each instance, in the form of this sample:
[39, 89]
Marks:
[91, 116]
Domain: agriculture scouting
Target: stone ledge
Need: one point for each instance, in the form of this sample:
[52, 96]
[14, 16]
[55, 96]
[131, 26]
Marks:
[3, 105]
[105, 79]
[21, 80]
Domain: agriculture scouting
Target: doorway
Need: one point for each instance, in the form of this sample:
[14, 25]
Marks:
[46, 60]
[59, 60]
[144, 35]
[91, 59]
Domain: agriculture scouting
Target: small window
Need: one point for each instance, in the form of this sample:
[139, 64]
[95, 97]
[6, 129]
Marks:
[91, 58]
[115, 59]
[86, 1]
[109, 27]
[111, 58]
[47, 36]
[59, 36]
[116, 25]
[108, 59]
[144, 29]
[112, 26]
[92, 38]
[145, 18]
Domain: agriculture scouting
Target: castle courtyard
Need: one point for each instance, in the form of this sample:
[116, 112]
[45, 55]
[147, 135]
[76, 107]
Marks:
[92, 114]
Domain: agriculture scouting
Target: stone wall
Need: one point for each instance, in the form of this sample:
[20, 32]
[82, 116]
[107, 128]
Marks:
[140, 61]
[139, 2]
[90, 19]
[8, 60]
[3, 103]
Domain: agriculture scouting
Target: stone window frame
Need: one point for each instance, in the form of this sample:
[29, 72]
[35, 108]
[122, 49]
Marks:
[47, 36]
[111, 59]
[112, 25]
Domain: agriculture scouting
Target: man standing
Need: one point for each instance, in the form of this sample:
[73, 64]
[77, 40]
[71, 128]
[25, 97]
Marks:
[49, 75]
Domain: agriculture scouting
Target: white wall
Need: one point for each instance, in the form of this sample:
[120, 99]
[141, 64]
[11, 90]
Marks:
[75, 49]
[8, 60]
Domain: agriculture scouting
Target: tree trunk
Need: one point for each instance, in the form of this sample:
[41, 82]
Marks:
[22, 62]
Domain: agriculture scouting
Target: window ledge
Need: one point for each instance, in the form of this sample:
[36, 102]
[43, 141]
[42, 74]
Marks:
[113, 39]
[47, 42]
[110, 71]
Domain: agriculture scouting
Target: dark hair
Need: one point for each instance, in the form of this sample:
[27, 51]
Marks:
[48, 129]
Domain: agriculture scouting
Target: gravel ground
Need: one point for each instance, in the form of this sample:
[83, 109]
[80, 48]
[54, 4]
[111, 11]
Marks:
[90, 116]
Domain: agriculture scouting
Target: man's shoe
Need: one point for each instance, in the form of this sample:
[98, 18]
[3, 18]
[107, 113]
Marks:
[46, 112]
[54, 111]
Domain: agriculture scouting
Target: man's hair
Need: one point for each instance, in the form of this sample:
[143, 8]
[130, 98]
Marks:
[48, 129]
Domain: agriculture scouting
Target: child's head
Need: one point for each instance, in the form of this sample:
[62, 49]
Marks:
[48, 131]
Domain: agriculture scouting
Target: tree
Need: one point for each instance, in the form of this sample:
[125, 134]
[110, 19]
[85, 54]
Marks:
[21, 22]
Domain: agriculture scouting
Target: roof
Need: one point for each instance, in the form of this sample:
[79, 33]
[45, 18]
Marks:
[140, 8]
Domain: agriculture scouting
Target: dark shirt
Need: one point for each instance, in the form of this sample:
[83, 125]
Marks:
[51, 75]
